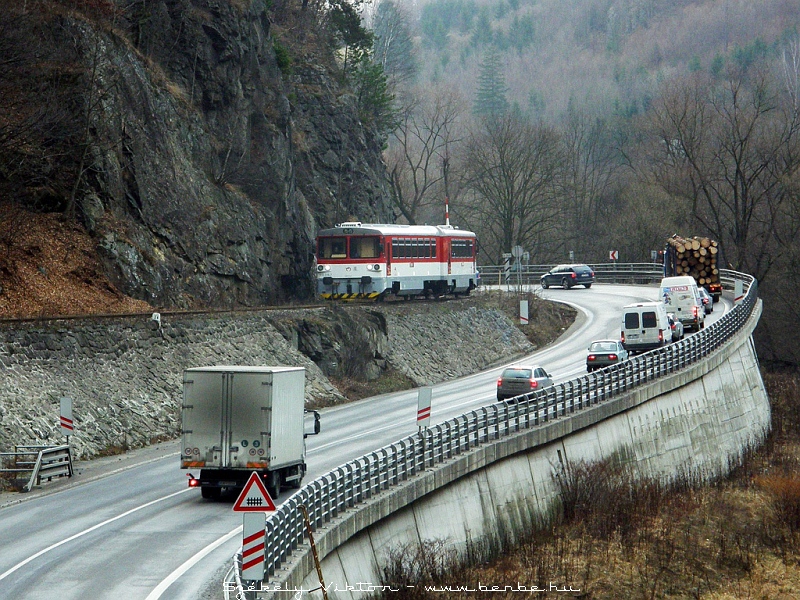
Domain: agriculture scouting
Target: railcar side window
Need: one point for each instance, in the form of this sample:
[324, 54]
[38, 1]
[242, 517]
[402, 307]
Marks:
[461, 248]
[413, 248]
[333, 247]
[365, 247]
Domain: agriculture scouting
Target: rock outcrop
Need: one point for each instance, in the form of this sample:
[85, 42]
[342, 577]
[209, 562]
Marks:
[201, 168]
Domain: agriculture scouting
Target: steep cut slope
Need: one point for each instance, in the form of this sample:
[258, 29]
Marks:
[169, 133]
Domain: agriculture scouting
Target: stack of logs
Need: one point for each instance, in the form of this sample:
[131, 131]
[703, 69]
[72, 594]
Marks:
[696, 257]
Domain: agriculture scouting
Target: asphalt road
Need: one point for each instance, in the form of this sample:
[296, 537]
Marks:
[130, 528]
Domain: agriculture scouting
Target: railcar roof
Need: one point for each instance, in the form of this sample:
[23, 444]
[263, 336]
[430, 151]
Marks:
[395, 229]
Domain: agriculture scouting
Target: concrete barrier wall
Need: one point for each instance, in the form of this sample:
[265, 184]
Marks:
[697, 422]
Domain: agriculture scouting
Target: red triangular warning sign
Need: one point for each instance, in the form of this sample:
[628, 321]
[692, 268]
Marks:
[254, 497]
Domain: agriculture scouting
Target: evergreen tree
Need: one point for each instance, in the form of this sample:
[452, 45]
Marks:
[375, 102]
[490, 100]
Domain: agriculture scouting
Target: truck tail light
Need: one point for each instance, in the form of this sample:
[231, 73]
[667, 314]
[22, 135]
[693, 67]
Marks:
[192, 481]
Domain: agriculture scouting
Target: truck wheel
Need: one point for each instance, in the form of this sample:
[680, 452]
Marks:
[210, 493]
[274, 484]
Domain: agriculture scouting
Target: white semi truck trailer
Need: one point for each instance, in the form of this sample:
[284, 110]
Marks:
[236, 420]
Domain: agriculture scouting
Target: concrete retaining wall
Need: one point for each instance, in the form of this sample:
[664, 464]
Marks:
[697, 422]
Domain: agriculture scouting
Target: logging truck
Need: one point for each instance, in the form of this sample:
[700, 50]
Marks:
[695, 257]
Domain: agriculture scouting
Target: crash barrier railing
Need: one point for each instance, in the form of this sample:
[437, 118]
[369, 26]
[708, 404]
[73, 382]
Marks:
[356, 481]
[233, 581]
[636, 273]
[49, 462]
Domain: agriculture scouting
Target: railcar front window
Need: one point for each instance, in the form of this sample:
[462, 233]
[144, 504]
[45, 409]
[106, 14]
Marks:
[333, 247]
[365, 247]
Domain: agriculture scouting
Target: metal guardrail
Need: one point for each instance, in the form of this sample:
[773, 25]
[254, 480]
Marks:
[358, 480]
[51, 461]
[233, 580]
[634, 273]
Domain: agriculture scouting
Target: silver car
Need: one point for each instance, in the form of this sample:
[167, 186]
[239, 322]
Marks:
[522, 379]
[603, 353]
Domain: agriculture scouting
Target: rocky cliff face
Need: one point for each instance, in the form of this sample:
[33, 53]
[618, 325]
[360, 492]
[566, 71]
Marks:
[202, 170]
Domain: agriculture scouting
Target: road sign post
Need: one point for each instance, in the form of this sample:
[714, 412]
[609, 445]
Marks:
[253, 539]
[67, 424]
[254, 501]
[424, 407]
[738, 292]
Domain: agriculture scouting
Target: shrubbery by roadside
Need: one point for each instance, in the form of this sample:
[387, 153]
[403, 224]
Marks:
[615, 537]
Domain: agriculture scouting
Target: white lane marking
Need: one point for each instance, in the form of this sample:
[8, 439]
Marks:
[162, 587]
[85, 531]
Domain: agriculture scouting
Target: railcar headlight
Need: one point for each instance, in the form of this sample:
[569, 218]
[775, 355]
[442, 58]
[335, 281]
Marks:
[376, 267]
[321, 268]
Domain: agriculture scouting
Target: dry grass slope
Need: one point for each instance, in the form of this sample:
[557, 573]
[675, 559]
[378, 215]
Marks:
[49, 267]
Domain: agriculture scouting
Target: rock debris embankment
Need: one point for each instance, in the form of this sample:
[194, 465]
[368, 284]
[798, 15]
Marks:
[124, 374]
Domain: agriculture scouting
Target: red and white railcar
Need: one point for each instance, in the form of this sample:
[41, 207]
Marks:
[361, 260]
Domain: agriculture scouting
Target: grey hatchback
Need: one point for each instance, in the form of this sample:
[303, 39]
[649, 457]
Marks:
[568, 276]
[522, 379]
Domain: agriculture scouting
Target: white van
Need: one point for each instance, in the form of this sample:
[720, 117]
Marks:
[645, 326]
[681, 296]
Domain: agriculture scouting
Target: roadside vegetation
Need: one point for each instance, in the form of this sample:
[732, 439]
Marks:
[615, 537]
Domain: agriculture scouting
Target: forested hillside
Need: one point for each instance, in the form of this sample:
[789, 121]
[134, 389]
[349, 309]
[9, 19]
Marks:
[187, 151]
[590, 126]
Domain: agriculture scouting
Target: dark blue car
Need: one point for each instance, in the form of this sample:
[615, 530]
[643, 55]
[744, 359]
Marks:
[568, 276]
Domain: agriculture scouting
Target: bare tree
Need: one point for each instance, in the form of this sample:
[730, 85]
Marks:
[394, 45]
[417, 152]
[589, 176]
[510, 168]
[730, 151]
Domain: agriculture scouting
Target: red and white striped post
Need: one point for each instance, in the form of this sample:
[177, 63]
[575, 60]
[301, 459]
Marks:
[67, 424]
[424, 407]
[253, 534]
